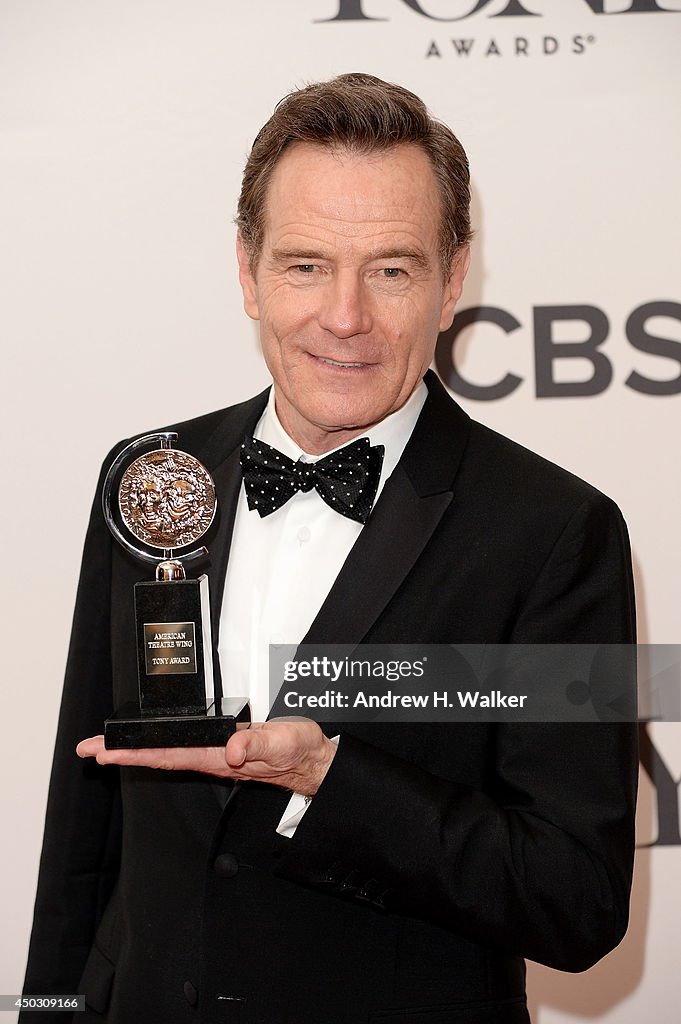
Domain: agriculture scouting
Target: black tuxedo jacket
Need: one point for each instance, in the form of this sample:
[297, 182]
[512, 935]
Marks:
[434, 858]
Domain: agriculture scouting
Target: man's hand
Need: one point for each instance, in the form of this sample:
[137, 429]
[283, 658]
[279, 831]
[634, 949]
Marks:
[291, 753]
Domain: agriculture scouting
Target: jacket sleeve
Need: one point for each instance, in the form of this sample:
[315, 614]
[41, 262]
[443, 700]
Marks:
[538, 864]
[80, 854]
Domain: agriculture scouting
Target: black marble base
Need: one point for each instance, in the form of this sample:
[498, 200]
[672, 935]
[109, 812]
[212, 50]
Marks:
[127, 727]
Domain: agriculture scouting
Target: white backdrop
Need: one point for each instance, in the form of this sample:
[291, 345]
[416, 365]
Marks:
[123, 130]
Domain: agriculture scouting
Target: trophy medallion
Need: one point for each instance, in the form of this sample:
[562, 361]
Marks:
[167, 501]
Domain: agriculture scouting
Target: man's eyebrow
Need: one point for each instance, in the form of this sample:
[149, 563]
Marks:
[402, 253]
[416, 256]
[296, 255]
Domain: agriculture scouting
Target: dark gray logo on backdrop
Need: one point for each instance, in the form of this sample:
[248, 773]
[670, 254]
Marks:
[586, 368]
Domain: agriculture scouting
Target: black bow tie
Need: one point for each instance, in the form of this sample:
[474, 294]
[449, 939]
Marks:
[347, 480]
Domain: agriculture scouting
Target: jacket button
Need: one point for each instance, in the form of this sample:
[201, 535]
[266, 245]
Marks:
[190, 993]
[226, 865]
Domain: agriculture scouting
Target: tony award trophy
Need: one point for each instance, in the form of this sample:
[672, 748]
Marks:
[166, 500]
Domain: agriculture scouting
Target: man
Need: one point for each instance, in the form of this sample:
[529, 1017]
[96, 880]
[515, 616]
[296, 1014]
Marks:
[431, 859]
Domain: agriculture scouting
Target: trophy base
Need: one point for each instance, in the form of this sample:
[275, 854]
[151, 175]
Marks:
[129, 728]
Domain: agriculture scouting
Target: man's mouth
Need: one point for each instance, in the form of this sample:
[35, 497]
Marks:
[336, 362]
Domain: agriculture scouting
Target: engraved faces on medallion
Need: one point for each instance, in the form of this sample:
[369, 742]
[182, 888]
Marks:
[167, 499]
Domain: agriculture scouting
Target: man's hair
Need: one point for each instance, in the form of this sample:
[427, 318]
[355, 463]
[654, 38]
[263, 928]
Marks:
[360, 114]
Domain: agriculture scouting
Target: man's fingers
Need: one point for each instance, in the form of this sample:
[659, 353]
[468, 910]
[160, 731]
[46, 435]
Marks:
[94, 747]
[90, 747]
[197, 759]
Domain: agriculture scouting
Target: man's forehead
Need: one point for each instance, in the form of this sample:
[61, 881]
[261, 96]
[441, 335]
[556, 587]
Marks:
[352, 194]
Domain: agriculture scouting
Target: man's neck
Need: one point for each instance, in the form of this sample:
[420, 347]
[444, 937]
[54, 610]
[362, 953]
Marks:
[316, 439]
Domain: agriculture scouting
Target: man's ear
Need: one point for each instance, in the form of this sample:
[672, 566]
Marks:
[247, 280]
[454, 285]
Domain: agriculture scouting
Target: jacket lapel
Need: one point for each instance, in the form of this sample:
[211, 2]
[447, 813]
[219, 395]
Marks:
[227, 479]
[383, 555]
[220, 455]
[404, 519]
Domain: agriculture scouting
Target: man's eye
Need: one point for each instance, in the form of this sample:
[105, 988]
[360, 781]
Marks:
[305, 268]
[391, 271]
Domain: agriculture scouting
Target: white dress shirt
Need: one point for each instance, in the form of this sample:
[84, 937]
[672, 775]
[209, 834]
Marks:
[282, 566]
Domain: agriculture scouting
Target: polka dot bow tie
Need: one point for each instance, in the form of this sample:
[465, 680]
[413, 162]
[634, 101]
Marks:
[347, 480]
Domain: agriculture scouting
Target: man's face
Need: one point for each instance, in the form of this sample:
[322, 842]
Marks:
[348, 289]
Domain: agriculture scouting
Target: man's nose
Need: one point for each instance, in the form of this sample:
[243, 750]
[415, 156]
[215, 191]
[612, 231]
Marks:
[345, 306]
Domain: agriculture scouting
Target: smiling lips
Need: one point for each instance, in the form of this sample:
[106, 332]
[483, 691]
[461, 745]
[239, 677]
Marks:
[335, 362]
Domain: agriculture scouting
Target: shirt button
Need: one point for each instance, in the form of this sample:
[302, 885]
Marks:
[304, 534]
